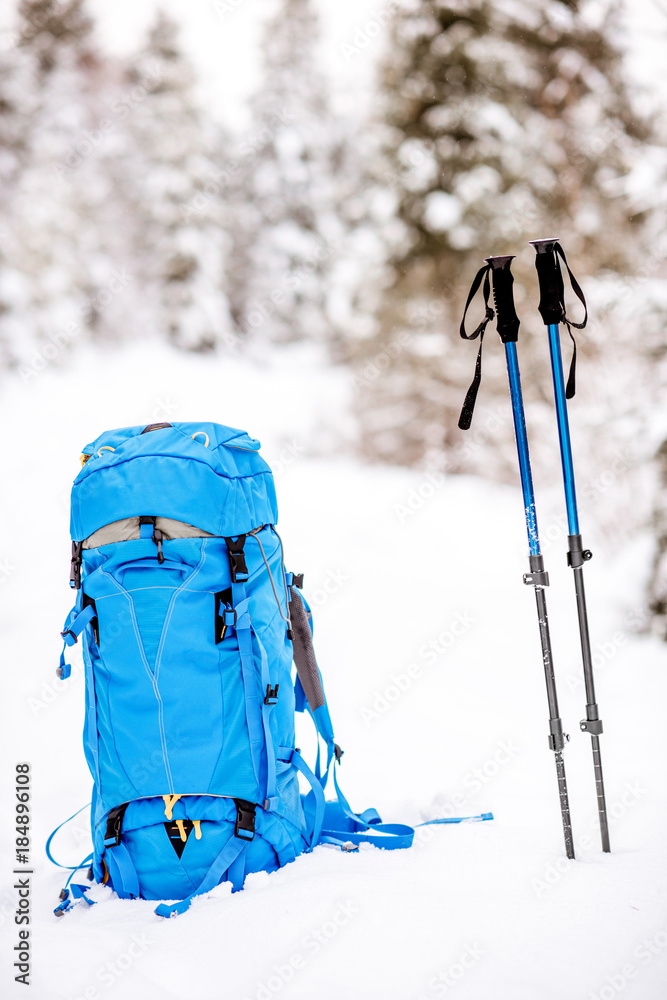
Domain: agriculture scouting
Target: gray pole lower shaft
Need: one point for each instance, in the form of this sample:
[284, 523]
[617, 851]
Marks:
[557, 738]
[591, 723]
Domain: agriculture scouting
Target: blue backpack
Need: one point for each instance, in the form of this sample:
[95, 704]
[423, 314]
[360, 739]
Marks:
[189, 627]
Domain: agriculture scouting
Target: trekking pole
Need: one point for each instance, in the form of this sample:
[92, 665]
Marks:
[552, 310]
[507, 323]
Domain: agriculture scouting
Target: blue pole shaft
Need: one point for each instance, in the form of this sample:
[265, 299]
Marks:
[522, 448]
[592, 722]
[563, 429]
[539, 579]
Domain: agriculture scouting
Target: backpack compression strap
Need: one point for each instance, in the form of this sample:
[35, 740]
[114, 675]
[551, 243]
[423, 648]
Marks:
[225, 859]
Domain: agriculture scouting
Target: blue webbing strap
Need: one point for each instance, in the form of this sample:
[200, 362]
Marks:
[344, 804]
[64, 668]
[389, 836]
[92, 738]
[258, 712]
[299, 695]
[348, 826]
[271, 801]
[224, 860]
[88, 857]
[122, 872]
[73, 868]
[458, 819]
[365, 828]
[75, 623]
[236, 872]
[314, 798]
[370, 816]
[73, 630]
[75, 891]
[345, 845]
[251, 694]
[79, 892]
[371, 820]
[341, 826]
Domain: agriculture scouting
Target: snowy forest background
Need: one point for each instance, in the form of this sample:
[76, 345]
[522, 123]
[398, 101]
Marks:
[131, 209]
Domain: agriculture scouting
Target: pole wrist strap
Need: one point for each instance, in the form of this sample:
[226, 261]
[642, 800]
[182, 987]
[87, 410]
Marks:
[471, 396]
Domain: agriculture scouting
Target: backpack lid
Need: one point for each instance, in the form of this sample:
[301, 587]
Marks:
[204, 474]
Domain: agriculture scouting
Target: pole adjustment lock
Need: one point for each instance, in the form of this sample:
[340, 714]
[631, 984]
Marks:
[539, 578]
[557, 738]
[593, 726]
[578, 558]
[577, 555]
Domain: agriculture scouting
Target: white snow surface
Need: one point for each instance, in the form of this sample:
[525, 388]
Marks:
[393, 560]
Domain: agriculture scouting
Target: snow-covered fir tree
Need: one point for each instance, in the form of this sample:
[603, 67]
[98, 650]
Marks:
[169, 160]
[102, 163]
[291, 182]
[504, 121]
[47, 25]
[16, 107]
[66, 262]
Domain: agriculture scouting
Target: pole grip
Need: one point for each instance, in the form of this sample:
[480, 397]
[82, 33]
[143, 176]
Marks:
[552, 290]
[507, 321]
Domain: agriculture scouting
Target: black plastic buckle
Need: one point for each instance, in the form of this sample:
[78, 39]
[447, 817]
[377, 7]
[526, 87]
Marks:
[245, 819]
[271, 694]
[338, 752]
[75, 566]
[114, 824]
[68, 631]
[297, 580]
[237, 563]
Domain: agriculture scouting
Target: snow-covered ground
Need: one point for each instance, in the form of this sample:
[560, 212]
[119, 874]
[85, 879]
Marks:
[428, 642]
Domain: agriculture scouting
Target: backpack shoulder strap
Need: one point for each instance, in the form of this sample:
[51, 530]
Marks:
[308, 672]
[331, 822]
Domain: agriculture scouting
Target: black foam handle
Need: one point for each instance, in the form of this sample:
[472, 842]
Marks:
[502, 279]
[552, 290]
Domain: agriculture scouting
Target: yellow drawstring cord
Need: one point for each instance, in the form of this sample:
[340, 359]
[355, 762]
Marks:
[169, 803]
